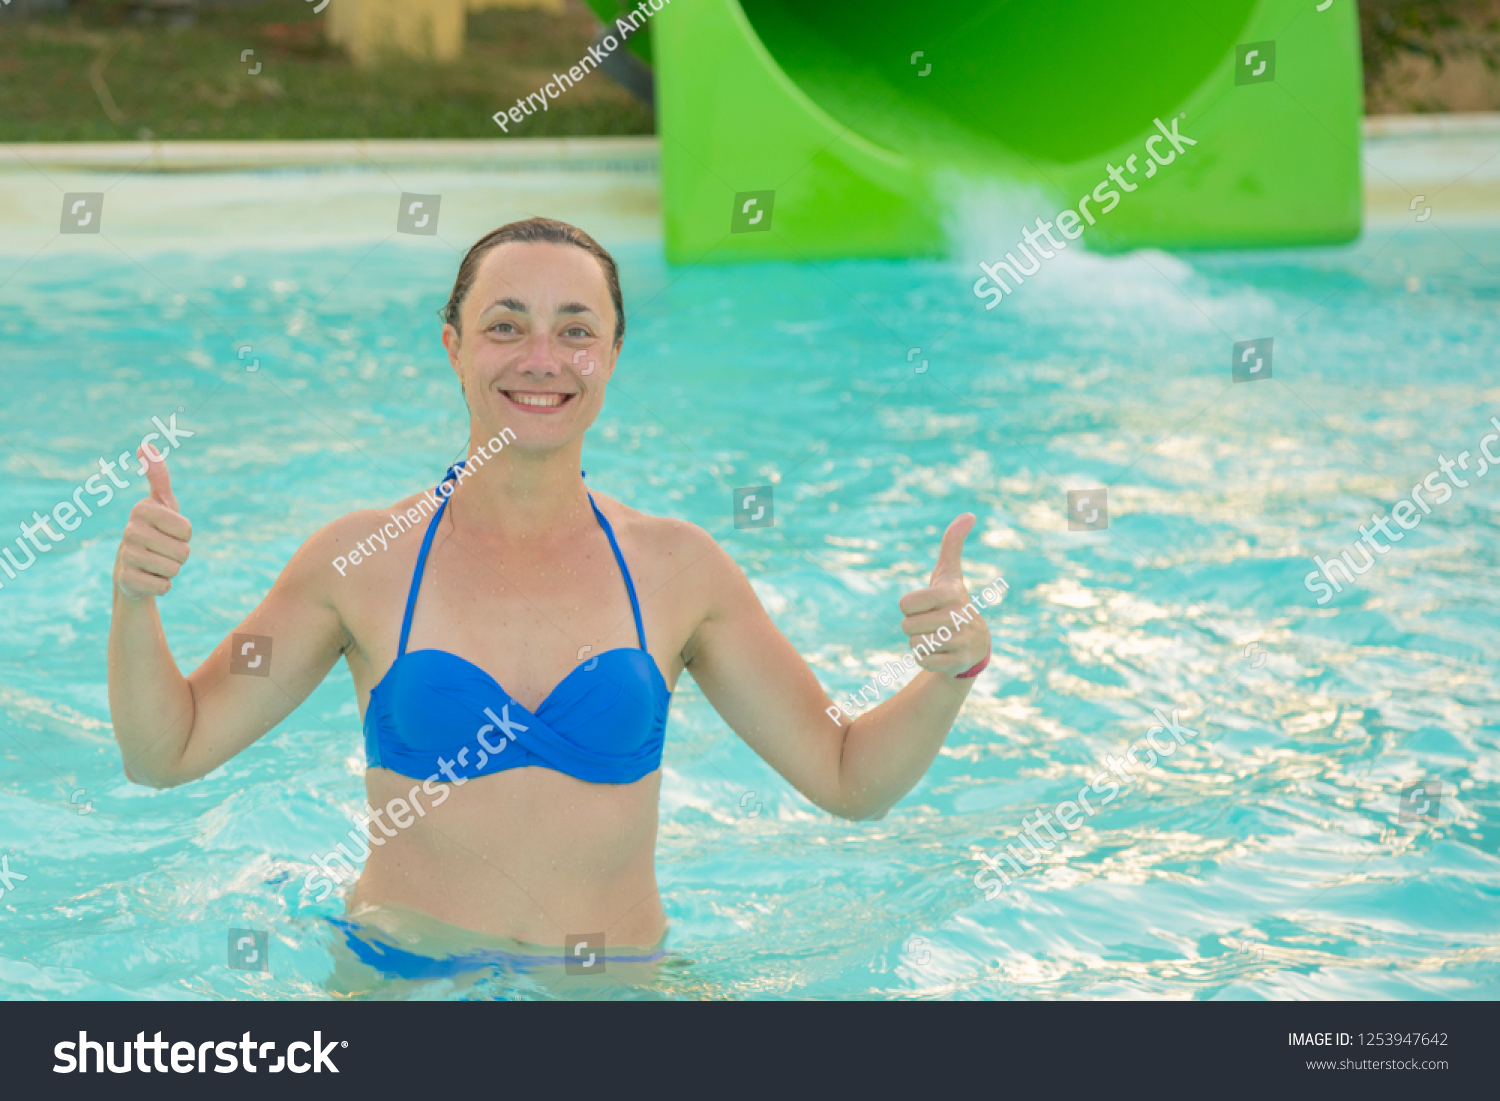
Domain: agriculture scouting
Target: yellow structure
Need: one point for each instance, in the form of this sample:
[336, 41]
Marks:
[429, 29]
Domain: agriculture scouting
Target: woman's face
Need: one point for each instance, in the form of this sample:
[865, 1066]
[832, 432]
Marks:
[537, 345]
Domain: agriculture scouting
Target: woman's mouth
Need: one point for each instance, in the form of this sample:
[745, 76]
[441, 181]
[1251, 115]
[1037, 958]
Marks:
[538, 401]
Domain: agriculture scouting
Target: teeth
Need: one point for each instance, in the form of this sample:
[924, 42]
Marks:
[539, 399]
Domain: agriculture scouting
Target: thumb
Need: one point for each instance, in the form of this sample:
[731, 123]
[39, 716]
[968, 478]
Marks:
[949, 567]
[157, 476]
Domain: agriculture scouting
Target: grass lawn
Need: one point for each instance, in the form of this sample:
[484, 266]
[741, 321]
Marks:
[94, 74]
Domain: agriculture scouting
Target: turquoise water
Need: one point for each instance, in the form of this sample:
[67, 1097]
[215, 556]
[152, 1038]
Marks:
[1268, 857]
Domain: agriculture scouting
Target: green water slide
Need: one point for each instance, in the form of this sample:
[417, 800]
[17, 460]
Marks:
[883, 128]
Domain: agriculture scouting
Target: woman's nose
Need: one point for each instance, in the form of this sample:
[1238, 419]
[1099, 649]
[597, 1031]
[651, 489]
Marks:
[540, 357]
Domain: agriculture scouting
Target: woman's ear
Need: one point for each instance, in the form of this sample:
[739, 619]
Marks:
[451, 342]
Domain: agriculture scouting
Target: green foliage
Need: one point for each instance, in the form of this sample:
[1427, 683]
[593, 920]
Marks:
[96, 74]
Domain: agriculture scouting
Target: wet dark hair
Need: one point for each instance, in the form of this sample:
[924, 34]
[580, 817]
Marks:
[548, 230]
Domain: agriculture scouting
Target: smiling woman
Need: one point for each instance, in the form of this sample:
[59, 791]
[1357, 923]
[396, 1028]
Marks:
[548, 835]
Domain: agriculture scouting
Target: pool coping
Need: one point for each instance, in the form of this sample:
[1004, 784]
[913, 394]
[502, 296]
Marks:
[1447, 163]
[511, 154]
[1468, 123]
[637, 153]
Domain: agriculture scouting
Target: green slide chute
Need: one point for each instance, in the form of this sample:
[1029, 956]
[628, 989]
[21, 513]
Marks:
[878, 126]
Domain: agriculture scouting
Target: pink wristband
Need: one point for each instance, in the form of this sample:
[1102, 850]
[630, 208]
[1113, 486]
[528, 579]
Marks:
[974, 672]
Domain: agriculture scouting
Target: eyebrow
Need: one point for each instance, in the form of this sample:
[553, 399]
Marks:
[515, 305]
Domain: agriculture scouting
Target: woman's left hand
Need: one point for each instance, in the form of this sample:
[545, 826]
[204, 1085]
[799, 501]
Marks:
[941, 604]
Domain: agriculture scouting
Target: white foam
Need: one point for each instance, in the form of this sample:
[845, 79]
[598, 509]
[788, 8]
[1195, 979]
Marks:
[984, 219]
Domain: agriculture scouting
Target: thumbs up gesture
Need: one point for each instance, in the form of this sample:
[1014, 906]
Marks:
[936, 611]
[155, 544]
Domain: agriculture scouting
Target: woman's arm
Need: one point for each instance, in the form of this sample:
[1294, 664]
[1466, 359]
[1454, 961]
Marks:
[855, 768]
[172, 728]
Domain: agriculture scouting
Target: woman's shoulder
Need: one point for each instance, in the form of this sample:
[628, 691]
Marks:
[370, 535]
[662, 542]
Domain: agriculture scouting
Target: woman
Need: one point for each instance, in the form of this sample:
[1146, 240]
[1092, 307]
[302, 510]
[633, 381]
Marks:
[514, 640]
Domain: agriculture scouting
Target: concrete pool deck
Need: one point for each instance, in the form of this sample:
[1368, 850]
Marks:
[174, 195]
[170, 195]
[1451, 160]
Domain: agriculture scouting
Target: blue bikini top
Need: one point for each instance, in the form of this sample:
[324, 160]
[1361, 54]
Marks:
[436, 716]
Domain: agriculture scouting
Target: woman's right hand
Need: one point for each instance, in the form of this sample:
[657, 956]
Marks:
[173, 728]
[155, 544]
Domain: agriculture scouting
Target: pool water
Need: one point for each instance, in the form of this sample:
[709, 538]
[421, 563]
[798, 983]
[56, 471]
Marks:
[1272, 856]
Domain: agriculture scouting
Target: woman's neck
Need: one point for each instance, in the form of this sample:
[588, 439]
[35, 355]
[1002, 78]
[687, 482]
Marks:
[519, 494]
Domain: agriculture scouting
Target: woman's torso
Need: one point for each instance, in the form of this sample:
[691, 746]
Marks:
[529, 852]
